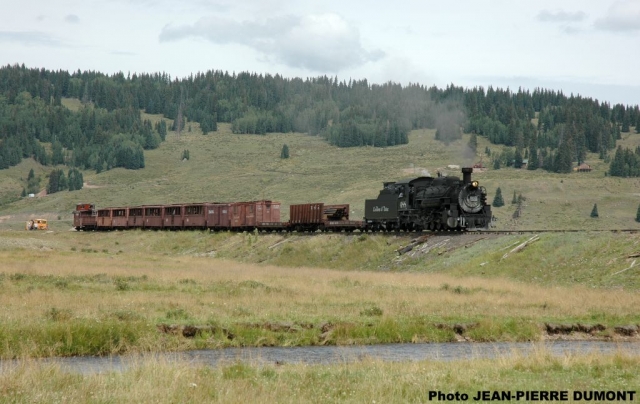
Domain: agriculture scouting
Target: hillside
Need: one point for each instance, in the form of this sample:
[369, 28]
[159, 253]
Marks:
[224, 167]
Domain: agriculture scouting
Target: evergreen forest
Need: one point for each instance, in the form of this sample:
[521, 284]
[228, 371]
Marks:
[550, 129]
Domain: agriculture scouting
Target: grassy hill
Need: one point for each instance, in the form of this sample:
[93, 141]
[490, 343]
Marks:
[226, 167]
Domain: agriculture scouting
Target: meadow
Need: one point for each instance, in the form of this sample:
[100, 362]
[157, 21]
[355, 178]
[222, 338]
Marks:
[75, 293]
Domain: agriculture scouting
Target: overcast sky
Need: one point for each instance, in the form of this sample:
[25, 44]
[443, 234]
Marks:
[577, 46]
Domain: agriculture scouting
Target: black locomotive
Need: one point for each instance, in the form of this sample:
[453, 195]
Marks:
[441, 203]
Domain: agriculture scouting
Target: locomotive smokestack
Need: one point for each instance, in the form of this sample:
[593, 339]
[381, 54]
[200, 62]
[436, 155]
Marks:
[466, 175]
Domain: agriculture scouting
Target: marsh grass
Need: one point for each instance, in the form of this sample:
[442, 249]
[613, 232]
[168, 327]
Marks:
[156, 380]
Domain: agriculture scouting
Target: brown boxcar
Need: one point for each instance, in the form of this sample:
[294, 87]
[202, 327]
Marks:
[119, 217]
[194, 216]
[267, 212]
[249, 214]
[217, 216]
[237, 215]
[152, 216]
[104, 219]
[173, 216]
[135, 217]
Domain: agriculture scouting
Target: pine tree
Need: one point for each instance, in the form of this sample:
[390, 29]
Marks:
[625, 123]
[533, 163]
[161, 128]
[57, 157]
[563, 161]
[497, 200]
[24, 193]
[204, 126]
[496, 163]
[33, 183]
[616, 168]
[594, 211]
[76, 181]
[54, 178]
[284, 154]
[518, 159]
[638, 215]
[515, 199]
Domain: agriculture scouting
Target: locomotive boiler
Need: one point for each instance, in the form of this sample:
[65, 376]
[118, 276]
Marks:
[441, 203]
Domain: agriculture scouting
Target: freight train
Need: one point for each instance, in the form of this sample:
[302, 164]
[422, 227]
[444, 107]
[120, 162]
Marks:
[423, 203]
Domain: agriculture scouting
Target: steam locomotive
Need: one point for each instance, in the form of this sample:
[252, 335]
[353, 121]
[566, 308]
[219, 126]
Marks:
[427, 203]
[423, 203]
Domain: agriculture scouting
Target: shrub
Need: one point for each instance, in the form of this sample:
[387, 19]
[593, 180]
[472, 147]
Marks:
[284, 154]
[371, 311]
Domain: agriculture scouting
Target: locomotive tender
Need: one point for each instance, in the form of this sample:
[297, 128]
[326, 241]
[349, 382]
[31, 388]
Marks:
[423, 203]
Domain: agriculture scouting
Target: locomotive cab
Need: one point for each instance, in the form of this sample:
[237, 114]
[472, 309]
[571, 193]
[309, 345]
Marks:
[396, 206]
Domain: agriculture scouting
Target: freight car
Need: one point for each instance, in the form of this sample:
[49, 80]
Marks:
[443, 203]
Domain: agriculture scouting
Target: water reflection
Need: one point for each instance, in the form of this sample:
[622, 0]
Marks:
[342, 354]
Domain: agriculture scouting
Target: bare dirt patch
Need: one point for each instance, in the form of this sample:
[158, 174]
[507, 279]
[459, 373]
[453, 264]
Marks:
[446, 242]
[416, 171]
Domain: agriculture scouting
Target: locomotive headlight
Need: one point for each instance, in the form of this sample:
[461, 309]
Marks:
[474, 184]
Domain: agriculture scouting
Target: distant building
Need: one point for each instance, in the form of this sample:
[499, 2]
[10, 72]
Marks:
[583, 168]
[524, 163]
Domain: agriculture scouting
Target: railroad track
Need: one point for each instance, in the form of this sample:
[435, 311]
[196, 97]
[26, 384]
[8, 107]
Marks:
[553, 231]
[462, 233]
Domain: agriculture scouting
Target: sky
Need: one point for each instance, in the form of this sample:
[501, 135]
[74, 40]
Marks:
[581, 47]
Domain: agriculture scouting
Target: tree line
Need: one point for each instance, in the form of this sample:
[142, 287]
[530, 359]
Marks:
[92, 138]
[550, 129]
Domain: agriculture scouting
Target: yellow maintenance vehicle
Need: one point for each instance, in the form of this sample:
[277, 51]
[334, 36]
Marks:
[37, 224]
